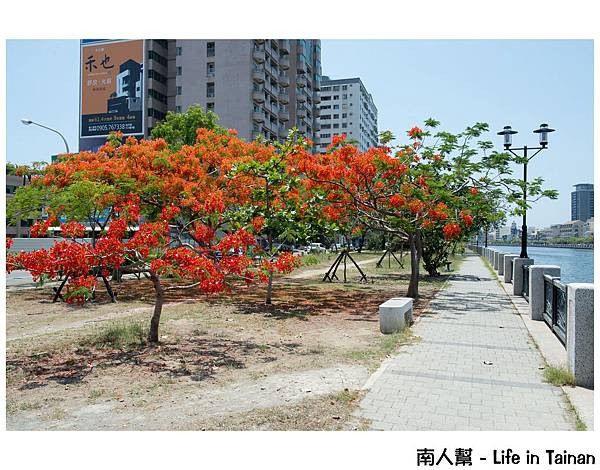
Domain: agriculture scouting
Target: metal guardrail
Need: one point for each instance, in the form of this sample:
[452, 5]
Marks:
[555, 306]
[525, 289]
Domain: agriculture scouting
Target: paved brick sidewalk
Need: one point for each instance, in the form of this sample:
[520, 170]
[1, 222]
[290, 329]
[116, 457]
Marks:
[442, 382]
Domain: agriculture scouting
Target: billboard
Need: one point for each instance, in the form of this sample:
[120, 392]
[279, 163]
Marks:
[111, 88]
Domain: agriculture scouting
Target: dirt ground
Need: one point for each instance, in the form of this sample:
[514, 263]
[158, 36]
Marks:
[224, 362]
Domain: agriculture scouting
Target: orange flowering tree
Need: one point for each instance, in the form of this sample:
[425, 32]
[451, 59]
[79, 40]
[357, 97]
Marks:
[407, 189]
[278, 206]
[180, 205]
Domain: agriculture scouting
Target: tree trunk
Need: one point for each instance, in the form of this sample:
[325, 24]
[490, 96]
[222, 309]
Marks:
[361, 243]
[415, 261]
[158, 304]
[268, 299]
[269, 296]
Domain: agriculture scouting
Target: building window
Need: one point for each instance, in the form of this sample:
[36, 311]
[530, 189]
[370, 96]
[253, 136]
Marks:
[154, 75]
[157, 95]
[177, 109]
[344, 96]
[336, 126]
[344, 125]
[336, 97]
[178, 50]
[210, 106]
[326, 116]
[326, 98]
[157, 57]
[344, 115]
[210, 90]
[336, 106]
[344, 87]
[336, 116]
[336, 88]
[210, 69]
[179, 90]
[178, 70]
[210, 49]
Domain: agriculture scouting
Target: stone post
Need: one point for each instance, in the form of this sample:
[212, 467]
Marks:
[508, 267]
[517, 276]
[536, 288]
[496, 256]
[580, 333]
[501, 264]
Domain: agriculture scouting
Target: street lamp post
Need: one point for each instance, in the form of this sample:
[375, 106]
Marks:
[28, 122]
[508, 132]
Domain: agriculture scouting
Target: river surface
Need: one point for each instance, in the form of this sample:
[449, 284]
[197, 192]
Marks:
[575, 265]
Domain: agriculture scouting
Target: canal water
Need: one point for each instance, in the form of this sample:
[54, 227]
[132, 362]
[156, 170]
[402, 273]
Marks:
[575, 265]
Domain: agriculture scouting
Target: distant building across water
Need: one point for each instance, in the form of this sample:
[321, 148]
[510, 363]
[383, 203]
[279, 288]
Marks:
[582, 202]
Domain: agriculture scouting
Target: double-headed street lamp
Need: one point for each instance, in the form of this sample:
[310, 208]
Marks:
[28, 122]
[508, 132]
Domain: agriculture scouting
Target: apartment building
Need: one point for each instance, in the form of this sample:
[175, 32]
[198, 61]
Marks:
[347, 108]
[21, 228]
[582, 202]
[260, 87]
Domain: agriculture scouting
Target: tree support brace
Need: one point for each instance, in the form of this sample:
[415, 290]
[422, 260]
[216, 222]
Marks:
[343, 256]
[390, 254]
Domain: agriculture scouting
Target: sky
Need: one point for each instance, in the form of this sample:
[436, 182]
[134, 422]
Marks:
[521, 83]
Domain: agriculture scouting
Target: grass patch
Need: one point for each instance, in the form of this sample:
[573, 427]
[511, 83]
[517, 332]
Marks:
[579, 424]
[386, 345]
[12, 407]
[96, 393]
[120, 335]
[331, 412]
[57, 414]
[310, 260]
[558, 376]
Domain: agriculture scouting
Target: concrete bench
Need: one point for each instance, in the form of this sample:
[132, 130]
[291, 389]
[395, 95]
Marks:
[395, 314]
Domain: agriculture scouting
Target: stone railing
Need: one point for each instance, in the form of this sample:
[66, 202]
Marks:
[567, 309]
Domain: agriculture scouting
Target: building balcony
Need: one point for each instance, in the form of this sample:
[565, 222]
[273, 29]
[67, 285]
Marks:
[301, 98]
[283, 97]
[301, 67]
[282, 132]
[284, 45]
[284, 63]
[316, 111]
[301, 81]
[301, 113]
[258, 116]
[284, 80]
[283, 115]
[258, 75]
[260, 41]
[317, 126]
[316, 98]
[258, 96]
[258, 55]
[302, 127]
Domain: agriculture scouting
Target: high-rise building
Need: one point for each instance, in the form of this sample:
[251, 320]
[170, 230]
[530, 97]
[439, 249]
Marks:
[582, 202]
[256, 86]
[13, 182]
[347, 108]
